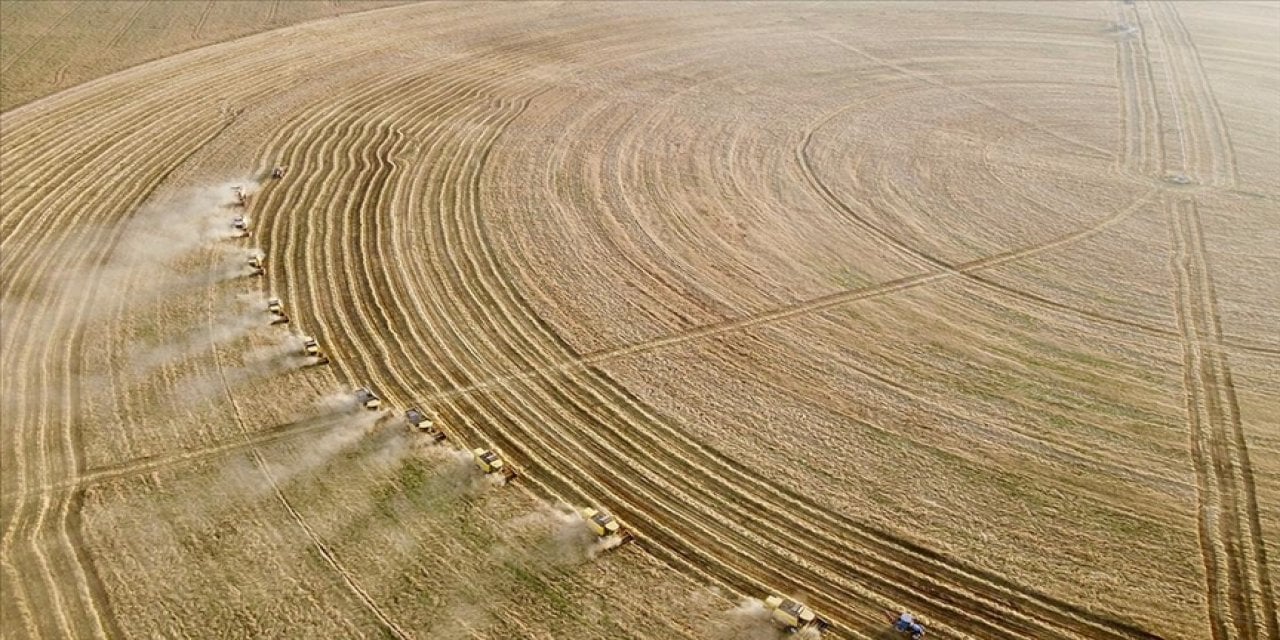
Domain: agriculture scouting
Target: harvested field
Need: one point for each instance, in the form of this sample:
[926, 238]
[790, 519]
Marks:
[963, 309]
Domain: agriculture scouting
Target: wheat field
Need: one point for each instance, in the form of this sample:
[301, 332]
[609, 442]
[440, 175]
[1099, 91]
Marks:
[966, 309]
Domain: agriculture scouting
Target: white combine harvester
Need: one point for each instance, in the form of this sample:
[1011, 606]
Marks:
[418, 421]
[276, 308]
[255, 266]
[311, 349]
[368, 399]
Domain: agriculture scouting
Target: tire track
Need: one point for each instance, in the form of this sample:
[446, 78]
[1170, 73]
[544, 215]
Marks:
[204, 17]
[115, 40]
[1142, 140]
[1239, 589]
[1210, 158]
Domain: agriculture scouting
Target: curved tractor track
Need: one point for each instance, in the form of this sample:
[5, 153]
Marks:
[398, 238]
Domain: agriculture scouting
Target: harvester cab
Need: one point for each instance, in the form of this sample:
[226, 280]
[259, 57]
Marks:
[277, 173]
[277, 311]
[311, 349]
[419, 422]
[369, 399]
[906, 623]
[491, 463]
[793, 616]
[255, 266]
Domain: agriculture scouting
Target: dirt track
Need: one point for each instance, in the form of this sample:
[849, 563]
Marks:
[915, 307]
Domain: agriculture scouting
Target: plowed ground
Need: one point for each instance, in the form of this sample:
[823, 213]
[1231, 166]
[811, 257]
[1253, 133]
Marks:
[963, 309]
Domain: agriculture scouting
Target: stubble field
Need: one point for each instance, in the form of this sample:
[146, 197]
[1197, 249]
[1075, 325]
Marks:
[963, 309]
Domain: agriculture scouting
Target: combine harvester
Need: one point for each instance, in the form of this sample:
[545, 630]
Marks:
[277, 311]
[605, 526]
[793, 616]
[240, 224]
[278, 172]
[491, 463]
[242, 198]
[311, 349]
[368, 399]
[255, 266]
[418, 421]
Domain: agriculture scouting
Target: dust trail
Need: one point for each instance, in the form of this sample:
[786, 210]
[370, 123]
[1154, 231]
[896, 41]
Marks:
[341, 424]
[750, 620]
[557, 534]
[156, 241]
[143, 359]
[315, 453]
[458, 475]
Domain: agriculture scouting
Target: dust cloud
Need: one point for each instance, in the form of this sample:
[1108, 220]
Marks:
[750, 620]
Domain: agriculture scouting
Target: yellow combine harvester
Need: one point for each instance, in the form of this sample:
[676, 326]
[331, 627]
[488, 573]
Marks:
[605, 525]
[491, 463]
[793, 616]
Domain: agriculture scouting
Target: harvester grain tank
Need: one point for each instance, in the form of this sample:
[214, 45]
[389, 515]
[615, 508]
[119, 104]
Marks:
[491, 463]
[368, 399]
[311, 349]
[793, 616]
[276, 308]
[419, 422]
[604, 525]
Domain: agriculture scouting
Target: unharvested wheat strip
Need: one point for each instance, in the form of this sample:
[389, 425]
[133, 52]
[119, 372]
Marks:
[662, 474]
[40, 38]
